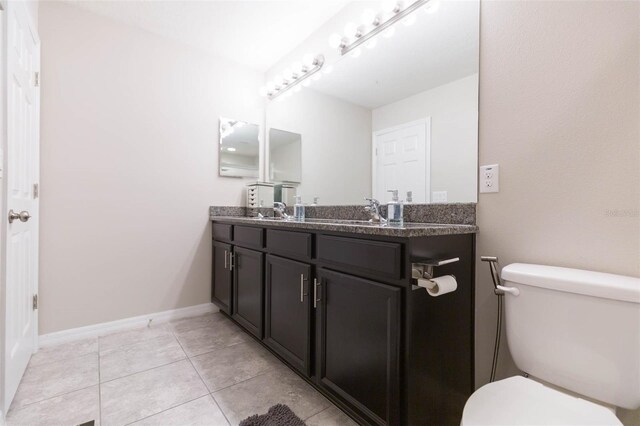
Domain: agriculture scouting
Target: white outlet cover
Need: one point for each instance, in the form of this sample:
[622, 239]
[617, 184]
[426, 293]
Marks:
[439, 197]
[489, 178]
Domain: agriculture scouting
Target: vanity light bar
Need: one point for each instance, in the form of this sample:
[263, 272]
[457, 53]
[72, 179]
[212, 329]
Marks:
[295, 77]
[378, 26]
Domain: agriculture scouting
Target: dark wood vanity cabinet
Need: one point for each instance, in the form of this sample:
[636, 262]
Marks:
[248, 289]
[341, 309]
[287, 311]
[221, 286]
[358, 341]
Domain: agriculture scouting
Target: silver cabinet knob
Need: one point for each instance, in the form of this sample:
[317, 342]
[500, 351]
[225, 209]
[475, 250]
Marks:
[23, 216]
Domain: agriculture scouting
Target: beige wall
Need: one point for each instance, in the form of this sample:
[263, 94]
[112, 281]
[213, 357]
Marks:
[129, 167]
[559, 111]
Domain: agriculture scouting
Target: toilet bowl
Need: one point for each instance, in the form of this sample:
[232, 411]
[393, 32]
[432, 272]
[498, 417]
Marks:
[578, 331]
[521, 401]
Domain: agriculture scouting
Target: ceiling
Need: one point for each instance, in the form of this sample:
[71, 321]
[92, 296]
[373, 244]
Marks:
[253, 33]
[437, 49]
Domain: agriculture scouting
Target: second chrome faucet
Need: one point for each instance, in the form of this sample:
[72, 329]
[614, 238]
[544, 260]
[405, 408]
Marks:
[373, 208]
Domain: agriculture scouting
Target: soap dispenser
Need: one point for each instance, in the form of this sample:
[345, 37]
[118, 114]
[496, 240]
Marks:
[298, 209]
[394, 210]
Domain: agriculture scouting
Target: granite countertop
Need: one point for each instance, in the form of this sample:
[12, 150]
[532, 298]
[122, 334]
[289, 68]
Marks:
[354, 226]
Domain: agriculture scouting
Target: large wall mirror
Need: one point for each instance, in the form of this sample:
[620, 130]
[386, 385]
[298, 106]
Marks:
[239, 154]
[400, 112]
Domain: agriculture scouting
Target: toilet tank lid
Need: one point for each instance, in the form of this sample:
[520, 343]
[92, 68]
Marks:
[597, 284]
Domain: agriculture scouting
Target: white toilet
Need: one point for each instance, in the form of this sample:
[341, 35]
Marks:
[576, 331]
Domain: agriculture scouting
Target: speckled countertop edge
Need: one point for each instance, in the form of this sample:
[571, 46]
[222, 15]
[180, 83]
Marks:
[414, 231]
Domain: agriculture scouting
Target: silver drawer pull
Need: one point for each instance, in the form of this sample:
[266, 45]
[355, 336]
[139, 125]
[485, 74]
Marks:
[316, 284]
[225, 259]
[302, 293]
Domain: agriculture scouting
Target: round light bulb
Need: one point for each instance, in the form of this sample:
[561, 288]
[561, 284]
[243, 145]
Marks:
[271, 86]
[287, 74]
[335, 40]
[308, 60]
[389, 32]
[278, 81]
[296, 68]
[350, 30]
[390, 6]
[409, 20]
[356, 52]
[368, 17]
[263, 91]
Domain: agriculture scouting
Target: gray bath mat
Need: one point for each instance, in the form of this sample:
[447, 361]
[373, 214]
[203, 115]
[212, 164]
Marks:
[278, 415]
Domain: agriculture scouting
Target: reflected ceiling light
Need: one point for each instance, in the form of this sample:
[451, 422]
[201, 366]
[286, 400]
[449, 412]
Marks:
[392, 12]
[231, 149]
[299, 73]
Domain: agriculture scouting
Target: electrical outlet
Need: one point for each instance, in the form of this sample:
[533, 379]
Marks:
[490, 178]
[439, 197]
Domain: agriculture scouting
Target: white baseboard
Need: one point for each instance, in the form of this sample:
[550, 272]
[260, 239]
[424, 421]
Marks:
[123, 324]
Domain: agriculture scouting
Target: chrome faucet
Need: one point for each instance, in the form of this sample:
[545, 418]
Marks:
[279, 210]
[373, 208]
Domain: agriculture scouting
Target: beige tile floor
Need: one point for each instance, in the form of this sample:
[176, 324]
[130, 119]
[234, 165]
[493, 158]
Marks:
[195, 371]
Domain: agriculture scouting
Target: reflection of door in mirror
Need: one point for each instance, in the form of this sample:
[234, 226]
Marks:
[402, 161]
[239, 154]
[285, 156]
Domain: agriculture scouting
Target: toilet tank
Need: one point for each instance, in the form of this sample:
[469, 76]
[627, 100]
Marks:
[576, 329]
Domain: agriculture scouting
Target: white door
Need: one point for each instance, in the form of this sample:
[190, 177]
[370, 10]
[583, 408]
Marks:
[21, 206]
[402, 161]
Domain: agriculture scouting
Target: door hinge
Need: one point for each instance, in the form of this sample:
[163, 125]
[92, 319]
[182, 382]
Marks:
[36, 79]
[35, 302]
[36, 190]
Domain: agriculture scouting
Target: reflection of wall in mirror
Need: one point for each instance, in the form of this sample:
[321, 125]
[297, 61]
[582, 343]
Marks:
[336, 151]
[453, 108]
[238, 165]
[285, 164]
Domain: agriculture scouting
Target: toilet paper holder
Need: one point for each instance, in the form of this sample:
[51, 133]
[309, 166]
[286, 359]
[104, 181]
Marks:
[423, 269]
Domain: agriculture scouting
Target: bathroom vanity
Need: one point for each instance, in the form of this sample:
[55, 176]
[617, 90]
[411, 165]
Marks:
[335, 301]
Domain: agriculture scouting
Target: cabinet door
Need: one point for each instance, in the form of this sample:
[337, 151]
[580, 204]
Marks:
[221, 277]
[358, 344]
[248, 293]
[287, 311]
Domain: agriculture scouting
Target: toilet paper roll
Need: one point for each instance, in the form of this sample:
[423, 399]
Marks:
[440, 285]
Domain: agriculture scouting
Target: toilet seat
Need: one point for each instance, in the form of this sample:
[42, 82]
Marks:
[520, 401]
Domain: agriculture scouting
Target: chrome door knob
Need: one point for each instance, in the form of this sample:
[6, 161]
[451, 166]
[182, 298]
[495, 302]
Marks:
[23, 216]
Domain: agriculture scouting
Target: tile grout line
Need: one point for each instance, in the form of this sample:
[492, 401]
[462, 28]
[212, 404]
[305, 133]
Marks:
[203, 382]
[144, 371]
[51, 397]
[315, 414]
[166, 409]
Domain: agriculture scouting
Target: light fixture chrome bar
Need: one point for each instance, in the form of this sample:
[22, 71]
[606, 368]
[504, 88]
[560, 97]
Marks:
[381, 26]
[318, 62]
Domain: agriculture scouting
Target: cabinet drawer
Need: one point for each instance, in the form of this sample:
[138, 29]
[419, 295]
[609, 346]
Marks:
[248, 236]
[222, 232]
[376, 259]
[290, 244]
